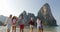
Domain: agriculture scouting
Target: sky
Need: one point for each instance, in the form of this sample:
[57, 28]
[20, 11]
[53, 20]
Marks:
[16, 7]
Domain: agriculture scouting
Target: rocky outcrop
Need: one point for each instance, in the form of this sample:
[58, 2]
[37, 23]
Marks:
[26, 17]
[2, 20]
[46, 15]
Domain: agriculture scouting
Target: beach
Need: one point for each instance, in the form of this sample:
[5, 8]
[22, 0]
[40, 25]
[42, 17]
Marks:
[26, 29]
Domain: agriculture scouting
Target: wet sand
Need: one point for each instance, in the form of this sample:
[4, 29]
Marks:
[3, 29]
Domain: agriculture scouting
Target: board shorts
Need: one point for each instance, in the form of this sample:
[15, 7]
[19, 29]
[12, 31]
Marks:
[21, 26]
[39, 27]
[8, 26]
[31, 26]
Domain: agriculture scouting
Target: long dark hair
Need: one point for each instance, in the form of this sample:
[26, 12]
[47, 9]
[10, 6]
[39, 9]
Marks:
[14, 17]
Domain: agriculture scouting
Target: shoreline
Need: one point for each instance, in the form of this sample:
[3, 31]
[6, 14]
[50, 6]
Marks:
[26, 29]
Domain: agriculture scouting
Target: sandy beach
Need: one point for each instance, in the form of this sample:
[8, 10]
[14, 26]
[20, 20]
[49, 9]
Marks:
[3, 29]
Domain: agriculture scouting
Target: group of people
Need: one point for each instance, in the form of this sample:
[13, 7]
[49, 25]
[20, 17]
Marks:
[39, 25]
[11, 21]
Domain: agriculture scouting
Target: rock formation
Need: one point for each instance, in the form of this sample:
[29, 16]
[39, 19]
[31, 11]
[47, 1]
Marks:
[26, 17]
[46, 15]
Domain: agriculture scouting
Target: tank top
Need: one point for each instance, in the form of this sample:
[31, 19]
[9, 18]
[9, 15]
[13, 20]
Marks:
[14, 21]
[38, 22]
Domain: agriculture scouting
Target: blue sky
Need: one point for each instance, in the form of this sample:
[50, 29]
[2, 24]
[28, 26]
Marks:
[15, 7]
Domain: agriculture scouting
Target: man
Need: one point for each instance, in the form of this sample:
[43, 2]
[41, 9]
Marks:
[21, 23]
[9, 22]
[31, 24]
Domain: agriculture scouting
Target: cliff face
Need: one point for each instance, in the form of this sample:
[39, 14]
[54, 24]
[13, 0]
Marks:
[46, 15]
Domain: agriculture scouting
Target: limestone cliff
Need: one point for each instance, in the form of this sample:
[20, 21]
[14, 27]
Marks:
[46, 15]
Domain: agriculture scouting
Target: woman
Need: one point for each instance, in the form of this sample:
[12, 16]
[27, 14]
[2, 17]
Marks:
[31, 24]
[39, 25]
[14, 19]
